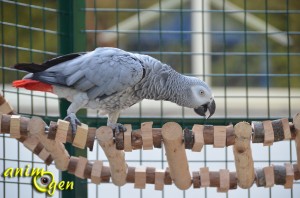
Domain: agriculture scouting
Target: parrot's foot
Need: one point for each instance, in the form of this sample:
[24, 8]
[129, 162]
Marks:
[118, 128]
[74, 121]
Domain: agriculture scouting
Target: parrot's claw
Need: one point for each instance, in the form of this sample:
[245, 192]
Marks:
[74, 121]
[118, 128]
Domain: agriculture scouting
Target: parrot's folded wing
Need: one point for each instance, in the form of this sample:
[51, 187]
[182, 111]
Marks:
[98, 74]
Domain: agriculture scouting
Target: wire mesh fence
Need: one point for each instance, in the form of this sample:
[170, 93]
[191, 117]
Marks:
[247, 51]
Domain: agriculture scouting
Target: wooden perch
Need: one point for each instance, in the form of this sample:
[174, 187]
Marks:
[60, 155]
[176, 156]
[115, 157]
[49, 147]
[136, 135]
[243, 155]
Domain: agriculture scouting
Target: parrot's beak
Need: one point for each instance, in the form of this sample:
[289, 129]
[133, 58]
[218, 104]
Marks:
[211, 107]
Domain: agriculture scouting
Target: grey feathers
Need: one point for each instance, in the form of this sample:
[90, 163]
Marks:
[101, 72]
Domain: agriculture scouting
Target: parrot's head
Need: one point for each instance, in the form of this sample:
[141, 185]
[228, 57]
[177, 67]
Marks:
[203, 99]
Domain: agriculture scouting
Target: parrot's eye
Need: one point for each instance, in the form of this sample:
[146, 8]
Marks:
[202, 93]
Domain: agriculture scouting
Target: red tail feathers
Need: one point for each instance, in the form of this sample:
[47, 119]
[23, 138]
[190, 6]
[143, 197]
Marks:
[33, 85]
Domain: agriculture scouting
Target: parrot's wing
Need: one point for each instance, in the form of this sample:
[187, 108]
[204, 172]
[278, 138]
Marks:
[98, 74]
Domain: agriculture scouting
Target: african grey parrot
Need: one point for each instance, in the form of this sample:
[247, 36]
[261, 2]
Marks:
[110, 79]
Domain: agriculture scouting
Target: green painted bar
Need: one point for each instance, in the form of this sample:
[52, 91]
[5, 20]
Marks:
[71, 22]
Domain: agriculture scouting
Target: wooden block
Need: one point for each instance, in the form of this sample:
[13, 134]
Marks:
[5, 108]
[79, 171]
[198, 137]
[140, 178]
[96, 172]
[62, 131]
[289, 179]
[44, 154]
[147, 136]
[224, 181]
[269, 175]
[31, 142]
[204, 177]
[127, 138]
[15, 126]
[296, 121]
[286, 129]
[159, 179]
[81, 136]
[219, 136]
[269, 133]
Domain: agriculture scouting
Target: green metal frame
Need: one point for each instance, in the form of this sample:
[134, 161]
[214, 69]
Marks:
[72, 39]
